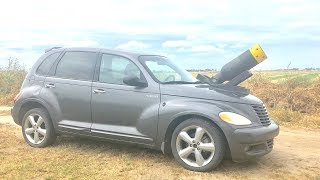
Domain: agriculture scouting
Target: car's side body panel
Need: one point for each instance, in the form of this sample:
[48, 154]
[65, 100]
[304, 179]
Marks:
[139, 120]
[72, 99]
[174, 107]
[138, 123]
[31, 90]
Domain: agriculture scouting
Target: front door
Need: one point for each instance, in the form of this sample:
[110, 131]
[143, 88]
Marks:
[120, 111]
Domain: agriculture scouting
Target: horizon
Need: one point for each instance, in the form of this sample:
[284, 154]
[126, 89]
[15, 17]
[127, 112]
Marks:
[196, 34]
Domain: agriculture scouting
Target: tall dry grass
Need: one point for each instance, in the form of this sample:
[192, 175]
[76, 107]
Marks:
[11, 78]
[290, 102]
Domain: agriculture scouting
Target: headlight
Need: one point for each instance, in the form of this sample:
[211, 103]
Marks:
[234, 118]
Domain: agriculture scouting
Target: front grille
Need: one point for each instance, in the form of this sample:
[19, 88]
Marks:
[262, 113]
[270, 143]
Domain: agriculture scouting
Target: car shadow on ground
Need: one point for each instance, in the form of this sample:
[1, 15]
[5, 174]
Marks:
[114, 148]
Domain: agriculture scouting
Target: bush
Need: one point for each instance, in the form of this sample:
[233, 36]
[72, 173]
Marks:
[288, 94]
[11, 78]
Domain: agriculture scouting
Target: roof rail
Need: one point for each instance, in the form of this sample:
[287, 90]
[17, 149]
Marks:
[47, 50]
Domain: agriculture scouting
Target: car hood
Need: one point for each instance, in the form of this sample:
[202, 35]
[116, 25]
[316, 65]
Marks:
[207, 92]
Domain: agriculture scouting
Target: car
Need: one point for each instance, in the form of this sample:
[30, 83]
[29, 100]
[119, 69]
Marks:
[141, 99]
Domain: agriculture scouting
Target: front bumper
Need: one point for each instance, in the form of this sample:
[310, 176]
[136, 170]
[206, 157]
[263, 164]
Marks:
[252, 142]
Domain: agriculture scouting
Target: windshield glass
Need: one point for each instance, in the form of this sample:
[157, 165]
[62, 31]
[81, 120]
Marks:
[165, 71]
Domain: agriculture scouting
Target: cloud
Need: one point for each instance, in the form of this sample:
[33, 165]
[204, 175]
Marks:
[29, 39]
[305, 8]
[193, 45]
[193, 32]
[133, 45]
[205, 48]
[175, 44]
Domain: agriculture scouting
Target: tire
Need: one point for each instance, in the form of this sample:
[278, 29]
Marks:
[37, 121]
[209, 143]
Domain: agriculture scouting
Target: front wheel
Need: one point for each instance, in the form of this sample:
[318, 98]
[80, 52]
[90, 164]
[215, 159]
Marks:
[37, 129]
[198, 145]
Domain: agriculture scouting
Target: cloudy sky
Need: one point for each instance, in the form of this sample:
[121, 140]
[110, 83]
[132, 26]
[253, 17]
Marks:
[195, 33]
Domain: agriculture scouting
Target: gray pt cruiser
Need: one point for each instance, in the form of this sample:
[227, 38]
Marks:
[146, 100]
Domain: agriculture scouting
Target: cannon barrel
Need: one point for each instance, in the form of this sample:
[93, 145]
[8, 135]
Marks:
[237, 70]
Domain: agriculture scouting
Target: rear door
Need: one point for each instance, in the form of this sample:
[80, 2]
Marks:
[120, 111]
[69, 90]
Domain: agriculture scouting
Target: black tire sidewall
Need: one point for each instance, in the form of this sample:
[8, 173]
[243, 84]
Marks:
[218, 138]
[50, 133]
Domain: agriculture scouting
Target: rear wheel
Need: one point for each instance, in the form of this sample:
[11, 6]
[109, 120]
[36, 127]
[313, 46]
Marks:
[198, 145]
[37, 129]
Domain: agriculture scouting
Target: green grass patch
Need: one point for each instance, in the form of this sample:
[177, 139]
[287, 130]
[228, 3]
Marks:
[307, 78]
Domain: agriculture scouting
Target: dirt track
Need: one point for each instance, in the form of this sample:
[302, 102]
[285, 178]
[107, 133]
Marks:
[296, 155]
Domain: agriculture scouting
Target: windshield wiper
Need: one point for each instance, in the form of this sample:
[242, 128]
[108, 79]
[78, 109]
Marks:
[182, 82]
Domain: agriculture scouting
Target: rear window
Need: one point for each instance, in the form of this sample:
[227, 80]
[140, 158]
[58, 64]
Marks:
[46, 64]
[76, 65]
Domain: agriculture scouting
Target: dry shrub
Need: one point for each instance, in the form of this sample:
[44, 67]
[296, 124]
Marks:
[289, 94]
[295, 119]
[11, 78]
[290, 102]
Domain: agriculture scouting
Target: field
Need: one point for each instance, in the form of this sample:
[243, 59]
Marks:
[295, 156]
[293, 101]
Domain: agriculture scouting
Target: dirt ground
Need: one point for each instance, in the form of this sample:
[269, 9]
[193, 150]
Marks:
[296, 155]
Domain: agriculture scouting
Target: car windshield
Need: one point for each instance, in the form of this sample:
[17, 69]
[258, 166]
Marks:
[165, 71]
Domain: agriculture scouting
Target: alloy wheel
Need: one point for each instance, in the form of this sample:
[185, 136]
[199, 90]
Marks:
[35, 129]
[195, 146]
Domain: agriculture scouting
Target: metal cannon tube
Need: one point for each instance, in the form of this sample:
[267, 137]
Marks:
[237, 67]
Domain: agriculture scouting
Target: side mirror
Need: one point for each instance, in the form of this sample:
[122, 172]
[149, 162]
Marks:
[134, 81]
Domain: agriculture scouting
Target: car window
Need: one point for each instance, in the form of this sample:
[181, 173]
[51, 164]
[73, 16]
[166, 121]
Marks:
[76, 65]
[163, 72]
[46, 64]
[114, 68]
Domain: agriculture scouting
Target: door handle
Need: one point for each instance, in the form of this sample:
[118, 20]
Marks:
[49, 85]
[98, 91]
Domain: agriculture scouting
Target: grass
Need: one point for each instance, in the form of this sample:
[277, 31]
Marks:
[81, 158]
[307, 77]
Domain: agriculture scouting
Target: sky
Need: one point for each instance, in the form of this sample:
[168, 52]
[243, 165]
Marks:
[197, 34]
